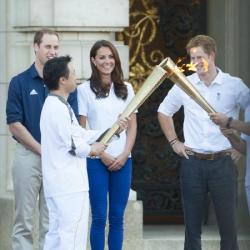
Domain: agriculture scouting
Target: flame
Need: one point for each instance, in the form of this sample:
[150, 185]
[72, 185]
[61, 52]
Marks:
[205, 64]
[185, 66]
[191, 66]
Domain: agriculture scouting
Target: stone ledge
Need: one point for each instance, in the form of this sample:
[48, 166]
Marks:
[69, 29]
[171, 237]
[74, 13]
[132, 232]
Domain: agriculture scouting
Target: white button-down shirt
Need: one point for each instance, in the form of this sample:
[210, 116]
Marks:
[226, 94]
[63, 173]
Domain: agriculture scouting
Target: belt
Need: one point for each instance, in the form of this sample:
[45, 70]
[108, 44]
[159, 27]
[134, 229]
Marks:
[212, 156]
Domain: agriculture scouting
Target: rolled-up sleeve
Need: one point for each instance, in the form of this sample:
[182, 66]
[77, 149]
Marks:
[82, 138]
[172, 102]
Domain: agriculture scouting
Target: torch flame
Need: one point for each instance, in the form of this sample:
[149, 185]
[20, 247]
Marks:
[205, 64]
[186, 66]
[191, 66]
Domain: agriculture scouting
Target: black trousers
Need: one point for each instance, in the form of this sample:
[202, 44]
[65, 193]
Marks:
[219, 178]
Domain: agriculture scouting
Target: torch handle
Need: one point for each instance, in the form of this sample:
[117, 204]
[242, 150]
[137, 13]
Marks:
[157, 76]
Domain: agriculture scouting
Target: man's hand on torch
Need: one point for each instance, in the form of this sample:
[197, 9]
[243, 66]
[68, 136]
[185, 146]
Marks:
[97, 148]
[219, 119]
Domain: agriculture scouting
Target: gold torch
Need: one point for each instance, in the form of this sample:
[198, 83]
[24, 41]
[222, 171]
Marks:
[175, 75]
[157, 76]
[166, 69]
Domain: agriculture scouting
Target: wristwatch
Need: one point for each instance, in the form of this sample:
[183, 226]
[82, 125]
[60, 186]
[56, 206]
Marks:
[229, 120]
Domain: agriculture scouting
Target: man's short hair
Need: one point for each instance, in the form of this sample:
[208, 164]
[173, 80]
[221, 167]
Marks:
[206, 42]
[40, 33]
[54, 69]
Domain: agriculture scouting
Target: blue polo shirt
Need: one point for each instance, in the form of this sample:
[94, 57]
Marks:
[26, 95]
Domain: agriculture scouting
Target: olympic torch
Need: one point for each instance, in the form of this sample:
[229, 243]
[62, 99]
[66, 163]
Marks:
[157, 76]
[176, 76]
[166, 69]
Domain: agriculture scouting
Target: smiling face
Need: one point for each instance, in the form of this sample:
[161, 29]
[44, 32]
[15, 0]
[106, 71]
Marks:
[202, 61]
[47, 49]
[104, 61]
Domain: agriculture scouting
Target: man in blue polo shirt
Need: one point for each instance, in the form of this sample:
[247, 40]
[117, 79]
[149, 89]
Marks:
[26, 96]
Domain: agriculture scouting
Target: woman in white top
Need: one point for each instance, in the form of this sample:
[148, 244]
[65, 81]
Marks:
[101, 100]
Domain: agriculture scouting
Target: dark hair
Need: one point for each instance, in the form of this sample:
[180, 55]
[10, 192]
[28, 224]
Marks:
[206, 42]
[96, 84]
[54, 69]
[40, 33]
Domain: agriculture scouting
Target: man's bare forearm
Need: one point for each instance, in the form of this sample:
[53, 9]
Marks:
[239, 145]
[228, 122]
[167, 126]
[243, 127]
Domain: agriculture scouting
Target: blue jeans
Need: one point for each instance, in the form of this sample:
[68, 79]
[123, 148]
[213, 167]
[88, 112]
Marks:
[219, 178]
[117, 184]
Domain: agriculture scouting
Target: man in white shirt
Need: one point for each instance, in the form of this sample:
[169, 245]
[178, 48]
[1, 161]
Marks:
[243, 146]
[64, 147]
[206, 162]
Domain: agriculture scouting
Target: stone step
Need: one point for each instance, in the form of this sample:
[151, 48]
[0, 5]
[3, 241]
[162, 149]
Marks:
[171, 237]
[136, 235]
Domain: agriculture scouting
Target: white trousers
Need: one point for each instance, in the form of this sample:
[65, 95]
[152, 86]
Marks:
[68, 222]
